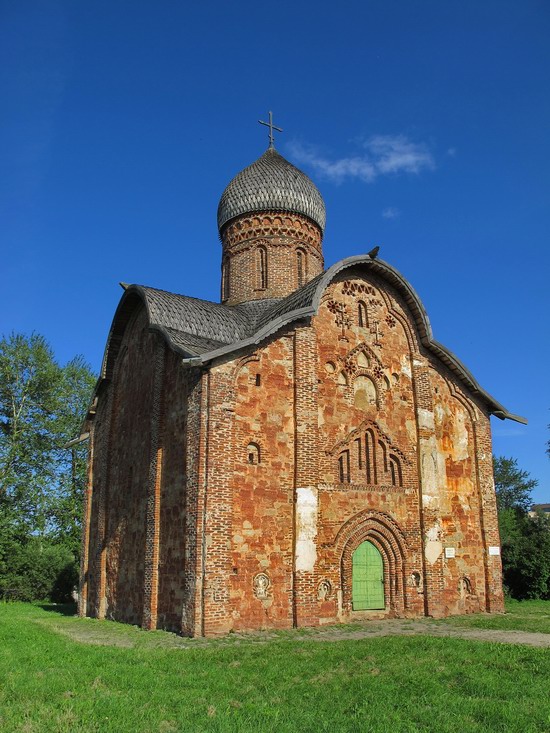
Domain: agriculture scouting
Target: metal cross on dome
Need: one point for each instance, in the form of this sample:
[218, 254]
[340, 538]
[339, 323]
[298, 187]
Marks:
[271, 128]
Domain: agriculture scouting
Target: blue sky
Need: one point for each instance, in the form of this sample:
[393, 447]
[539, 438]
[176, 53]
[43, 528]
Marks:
[424, 125]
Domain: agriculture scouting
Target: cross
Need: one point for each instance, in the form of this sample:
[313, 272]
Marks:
[271, 128]
[375, 329]
[342, 319]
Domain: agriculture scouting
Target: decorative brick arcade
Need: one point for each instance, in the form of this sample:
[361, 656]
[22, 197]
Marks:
[242, 452]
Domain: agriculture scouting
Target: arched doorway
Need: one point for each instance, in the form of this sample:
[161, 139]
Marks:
[367, 578]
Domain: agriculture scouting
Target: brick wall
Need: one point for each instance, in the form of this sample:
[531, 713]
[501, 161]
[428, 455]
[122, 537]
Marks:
[268, 256]
[234, 497]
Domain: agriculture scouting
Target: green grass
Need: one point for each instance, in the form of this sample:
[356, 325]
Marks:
[124, 679]
[519, 616]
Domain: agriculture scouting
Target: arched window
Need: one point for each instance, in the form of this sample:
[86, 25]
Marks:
[370, 454]
[364, 392]
[395, 468]
[359, 452]
[262, 268]
[301, 266]
[343, 467]
[225, 278]
[342, 379]
[253, 453]
[384, 456]
[362, 315]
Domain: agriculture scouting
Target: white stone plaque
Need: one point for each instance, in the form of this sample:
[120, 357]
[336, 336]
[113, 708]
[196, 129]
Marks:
[494, 550]
[450, 552]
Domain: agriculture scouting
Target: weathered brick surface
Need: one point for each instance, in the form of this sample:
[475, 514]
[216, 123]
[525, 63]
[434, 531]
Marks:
[234, 497]
[173, 539]
[268, 256]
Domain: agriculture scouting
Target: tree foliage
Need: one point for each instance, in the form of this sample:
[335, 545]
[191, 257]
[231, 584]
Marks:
[525, 554]
[525, 539]
[42, 406]
[512, 485]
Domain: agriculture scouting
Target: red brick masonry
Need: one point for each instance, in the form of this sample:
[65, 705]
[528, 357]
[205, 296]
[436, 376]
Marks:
[233, 496]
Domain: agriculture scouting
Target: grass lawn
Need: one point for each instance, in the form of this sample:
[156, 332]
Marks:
[129, 680]
[520, 616]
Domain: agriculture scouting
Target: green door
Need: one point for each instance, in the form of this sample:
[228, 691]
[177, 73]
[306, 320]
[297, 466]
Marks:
[367, 578]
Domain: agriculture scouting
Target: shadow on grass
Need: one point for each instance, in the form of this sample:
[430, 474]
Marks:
[63, 609]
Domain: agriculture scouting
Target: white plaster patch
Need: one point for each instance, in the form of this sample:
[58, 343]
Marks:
[306, 528]
[321, 417]
[460, 437]
[429, 470]
[434, 533]
[433, 551]
[405, 366]
[426, 419]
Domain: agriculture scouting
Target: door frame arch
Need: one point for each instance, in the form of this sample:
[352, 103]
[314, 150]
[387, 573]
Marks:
[383, 532]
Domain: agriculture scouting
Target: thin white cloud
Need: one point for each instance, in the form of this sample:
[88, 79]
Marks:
[335, 170]
[384, 155]
[390, 212]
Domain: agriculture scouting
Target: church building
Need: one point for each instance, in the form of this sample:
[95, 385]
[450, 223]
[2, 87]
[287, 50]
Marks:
[301, 453]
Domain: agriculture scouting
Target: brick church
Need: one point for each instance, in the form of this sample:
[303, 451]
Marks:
[301, 453]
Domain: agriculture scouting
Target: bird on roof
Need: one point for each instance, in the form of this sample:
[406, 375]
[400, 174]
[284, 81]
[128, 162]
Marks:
[374, 253]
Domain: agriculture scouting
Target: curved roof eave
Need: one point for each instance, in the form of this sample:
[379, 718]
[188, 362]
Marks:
[133, 294]
[413, 301]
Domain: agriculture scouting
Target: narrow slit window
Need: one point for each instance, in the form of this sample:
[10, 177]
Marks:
[262, 268]
[372, 473]
[253, 453]
[343, 467]
[362, 315]
[384, 456]
[396, 473]
[225, 279]
[301, 266]
[359, 450]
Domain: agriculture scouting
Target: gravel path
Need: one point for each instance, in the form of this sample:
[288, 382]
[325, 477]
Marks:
[400, 627]
[109, 634]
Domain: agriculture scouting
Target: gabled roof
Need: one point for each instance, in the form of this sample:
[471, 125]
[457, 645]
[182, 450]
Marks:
[200, 330]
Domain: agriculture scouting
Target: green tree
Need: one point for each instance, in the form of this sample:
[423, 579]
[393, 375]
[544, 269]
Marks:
[512, 485]
[76, 386]
[526, 554]
[29, 393]
[525, 540]
[42, 406]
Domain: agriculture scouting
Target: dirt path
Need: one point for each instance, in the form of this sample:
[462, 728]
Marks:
[399, 627]
[105, 633]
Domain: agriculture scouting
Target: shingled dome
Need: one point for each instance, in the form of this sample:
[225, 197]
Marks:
[271, 183]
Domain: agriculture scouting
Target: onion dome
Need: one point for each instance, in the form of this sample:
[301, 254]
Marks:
[271, 183]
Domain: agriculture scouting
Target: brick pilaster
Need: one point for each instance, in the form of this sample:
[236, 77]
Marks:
[494, 598]
[103, 508]
[430, 484]
[306, 473]
[150, 591]
[192, 606]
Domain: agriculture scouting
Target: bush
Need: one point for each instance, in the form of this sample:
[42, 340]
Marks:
[38, 570]
[525, 554]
